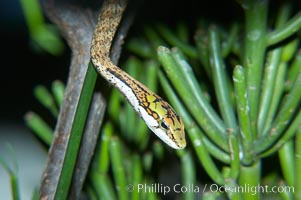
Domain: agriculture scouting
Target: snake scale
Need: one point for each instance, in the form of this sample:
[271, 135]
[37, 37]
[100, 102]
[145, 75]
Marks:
[157, 113]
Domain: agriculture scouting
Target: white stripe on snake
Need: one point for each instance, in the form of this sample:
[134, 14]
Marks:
[157, 114]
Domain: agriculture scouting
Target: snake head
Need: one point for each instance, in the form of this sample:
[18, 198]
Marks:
[164, 122]
[174, 129]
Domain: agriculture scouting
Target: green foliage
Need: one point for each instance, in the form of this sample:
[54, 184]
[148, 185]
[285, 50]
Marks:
[51, 101]
[44, 36]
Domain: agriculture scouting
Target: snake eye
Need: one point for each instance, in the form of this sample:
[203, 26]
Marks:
[163, 125]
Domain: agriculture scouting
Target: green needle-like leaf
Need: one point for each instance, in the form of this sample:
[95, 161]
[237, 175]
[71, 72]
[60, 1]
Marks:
[287, 162]
[174, 41]
[104, 156]
[220, 81]
[289, 28]
[188, 173]
[137, 176]
[242, 104]
[39, 126]
[103, 186]
[293, 71]
[46, 99]
[118, 168]
[58, 90]
[269, 80]
[277, 94]
[234, 154]
[140, 47]
[297, 172]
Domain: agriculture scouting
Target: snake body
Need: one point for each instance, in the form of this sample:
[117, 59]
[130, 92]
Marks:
[157, 113]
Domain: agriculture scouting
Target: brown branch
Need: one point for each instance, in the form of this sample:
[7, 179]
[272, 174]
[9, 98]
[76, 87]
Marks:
[77, 25]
